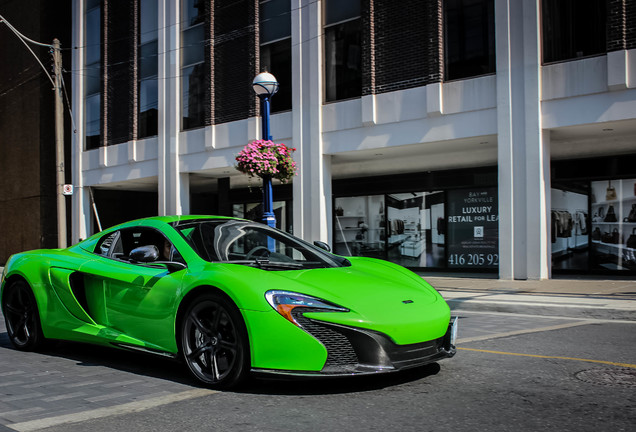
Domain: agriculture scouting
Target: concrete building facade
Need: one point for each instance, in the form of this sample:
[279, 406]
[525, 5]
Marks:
[454, 135]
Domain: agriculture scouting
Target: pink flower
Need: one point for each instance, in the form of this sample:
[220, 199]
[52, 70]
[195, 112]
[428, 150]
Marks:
[265, 158]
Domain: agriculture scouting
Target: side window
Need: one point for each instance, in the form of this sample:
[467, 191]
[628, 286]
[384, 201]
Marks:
[119, 244]
[108, 244]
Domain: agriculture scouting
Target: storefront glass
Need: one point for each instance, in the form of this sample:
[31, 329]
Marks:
[613, 234]
[473, 228]
[570, 228]
[436, 229]
[416, 229]
[253, 211]
[360, 226]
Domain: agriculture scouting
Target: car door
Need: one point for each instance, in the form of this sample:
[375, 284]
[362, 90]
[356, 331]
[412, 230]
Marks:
[135, 299]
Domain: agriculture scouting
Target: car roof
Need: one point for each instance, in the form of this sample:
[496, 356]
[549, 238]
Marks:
[156, 221]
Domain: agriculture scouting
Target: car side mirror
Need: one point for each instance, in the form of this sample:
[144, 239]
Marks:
[322, 245]
[145, 254]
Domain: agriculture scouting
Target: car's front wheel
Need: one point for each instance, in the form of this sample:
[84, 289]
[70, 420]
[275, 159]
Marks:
[214, 341]
[22, 317]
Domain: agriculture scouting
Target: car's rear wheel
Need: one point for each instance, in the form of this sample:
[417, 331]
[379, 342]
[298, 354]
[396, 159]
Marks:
[214, 341]
[22, 317]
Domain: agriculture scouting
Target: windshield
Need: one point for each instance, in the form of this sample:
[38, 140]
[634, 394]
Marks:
[253, 244]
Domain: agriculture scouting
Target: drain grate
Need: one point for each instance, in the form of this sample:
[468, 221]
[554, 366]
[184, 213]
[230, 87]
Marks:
[609, 377]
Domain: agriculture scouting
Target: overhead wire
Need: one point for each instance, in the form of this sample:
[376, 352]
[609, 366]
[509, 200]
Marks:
[24, 40]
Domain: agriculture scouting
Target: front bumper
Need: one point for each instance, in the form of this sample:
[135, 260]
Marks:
[356, 351]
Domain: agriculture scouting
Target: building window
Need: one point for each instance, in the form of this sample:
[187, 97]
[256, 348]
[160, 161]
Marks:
[469, 38]
[93, 74]
[192, 64]
[573, 29]
[275, 39]
[342, 33]
[148, 91]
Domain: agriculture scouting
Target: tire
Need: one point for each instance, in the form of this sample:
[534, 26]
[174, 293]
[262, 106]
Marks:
[213, 341]
[22, 317]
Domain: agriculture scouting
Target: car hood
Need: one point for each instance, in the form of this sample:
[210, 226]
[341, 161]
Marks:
[380, 295]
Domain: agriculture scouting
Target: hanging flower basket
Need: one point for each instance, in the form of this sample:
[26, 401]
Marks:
[264, 158]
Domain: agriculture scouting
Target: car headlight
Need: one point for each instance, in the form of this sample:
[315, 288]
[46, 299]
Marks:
[284, 302]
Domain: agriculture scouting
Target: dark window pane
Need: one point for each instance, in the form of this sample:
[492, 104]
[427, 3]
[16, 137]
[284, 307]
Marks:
[275, 20]
[148, 18]
[93, 117]
[92, 3]
[148, 59]
[469, 37]
[193, 90]
[276, 58]
[343, 77]
[93, 79]
[341, 10]
[148, 107]
[573, 29]
[148, 68]
[93, 35]
[192, 46]
[193, 12]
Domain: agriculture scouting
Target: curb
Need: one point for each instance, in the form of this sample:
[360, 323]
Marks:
[527, 306]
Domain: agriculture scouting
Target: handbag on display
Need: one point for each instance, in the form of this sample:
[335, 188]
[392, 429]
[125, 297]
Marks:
[615, 237]
[611, 215]
[631, 241]
[606, 237]
[610, 195]
[632, 214]
[596, 234]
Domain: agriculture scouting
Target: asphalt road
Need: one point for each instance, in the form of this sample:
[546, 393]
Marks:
[511, 373]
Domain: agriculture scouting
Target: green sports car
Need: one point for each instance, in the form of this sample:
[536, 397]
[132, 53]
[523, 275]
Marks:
[228, 297]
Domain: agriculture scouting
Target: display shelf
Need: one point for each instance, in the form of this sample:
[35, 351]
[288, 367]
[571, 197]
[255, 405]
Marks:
[619, 246]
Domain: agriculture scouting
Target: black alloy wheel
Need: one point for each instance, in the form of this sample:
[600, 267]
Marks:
[22, 317]
[214, 341]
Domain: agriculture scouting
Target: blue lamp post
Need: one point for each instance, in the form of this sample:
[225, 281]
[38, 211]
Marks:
[265, 86]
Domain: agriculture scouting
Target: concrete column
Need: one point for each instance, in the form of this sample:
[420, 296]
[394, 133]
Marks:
[80, 202]
[523, 148]
[170, 189]
[312, 186]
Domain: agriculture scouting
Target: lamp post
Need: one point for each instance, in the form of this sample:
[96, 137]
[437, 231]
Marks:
[265, 86]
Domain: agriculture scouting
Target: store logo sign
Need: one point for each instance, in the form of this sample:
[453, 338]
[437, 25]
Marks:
[479, 232]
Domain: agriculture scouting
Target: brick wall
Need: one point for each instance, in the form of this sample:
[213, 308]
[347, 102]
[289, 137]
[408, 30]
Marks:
[621, 25]
[235, 60]
[403, 41]
[630, 24]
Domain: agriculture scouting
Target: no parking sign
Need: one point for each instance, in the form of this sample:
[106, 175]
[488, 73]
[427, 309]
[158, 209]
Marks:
[67, 189]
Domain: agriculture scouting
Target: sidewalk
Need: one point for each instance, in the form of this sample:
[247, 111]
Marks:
[598, 298]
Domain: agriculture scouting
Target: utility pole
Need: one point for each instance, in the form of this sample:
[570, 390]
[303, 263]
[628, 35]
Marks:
[59, 145]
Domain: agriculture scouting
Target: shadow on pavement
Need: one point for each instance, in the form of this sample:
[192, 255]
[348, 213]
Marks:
[326, 385]
[91, 356]
[94, 356]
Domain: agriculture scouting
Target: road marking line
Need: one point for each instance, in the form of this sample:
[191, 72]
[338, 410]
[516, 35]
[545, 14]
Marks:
[560, 317]
[627, 365]
[525, 331]
[127, 408]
